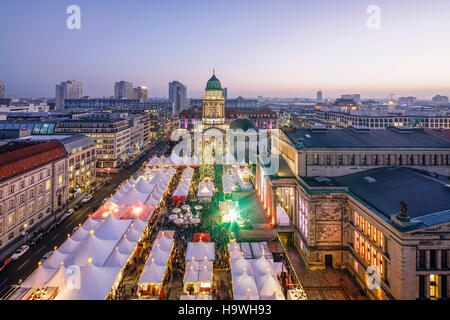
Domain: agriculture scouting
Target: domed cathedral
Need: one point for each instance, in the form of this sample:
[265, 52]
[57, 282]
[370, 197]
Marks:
[214, 105]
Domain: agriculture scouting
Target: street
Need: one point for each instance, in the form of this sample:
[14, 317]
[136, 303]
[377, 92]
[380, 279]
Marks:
[26, 264]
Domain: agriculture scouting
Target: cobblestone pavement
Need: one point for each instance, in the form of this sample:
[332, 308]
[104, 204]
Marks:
[326, 284]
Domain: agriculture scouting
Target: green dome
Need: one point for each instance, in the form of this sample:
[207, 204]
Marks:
[213, 84]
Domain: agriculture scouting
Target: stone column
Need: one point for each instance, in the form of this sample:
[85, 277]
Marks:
[438, 260]
[427, 261]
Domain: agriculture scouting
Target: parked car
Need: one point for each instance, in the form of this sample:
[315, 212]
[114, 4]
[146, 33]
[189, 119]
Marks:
[36, 238]
[68, 214]
[75, 229]
[87, 198]
[45, 256]
[5, 263]
[20, 252]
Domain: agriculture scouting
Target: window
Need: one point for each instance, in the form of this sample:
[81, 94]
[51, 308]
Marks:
[31, 180]
[375, 159]
[32, 194]
[423, 160]
[352, 159]
[11, 189]
[411, 160]
[421, 287]
[316, 159]
[328, 160]
[22, 184]
[388, 160]
[21, 214]
[399, 160]
[364, 160]
[22, 199]
[421, 259]
[48, 185]
[433, 259]
[11, 204]
[60, 179]
[10, 220]
[434, 279]
[444, 261]
[340, 161]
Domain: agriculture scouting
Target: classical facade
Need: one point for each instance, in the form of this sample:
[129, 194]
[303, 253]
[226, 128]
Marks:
[33, 187]
[394, 219]
[213, 105]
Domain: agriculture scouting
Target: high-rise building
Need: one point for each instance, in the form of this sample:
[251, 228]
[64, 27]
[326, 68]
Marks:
[436, 99]
[141, 94]
[2, 90]
[225, 93]
[177, 96]
[67, 90]
[319, 97]
[407, 100]
[124, 90]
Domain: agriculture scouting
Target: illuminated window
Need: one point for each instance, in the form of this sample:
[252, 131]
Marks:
[434, 279]
[10, 220]
[60, 179]
[48, 185]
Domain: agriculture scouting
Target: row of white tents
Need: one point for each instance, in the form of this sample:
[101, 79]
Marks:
[199, 266]
[90, 262]
[182, 190]
[156, 266]
[149, 192]
[254, 279]
[174, 160]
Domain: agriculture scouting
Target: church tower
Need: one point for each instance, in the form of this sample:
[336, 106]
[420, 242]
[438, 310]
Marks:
[213, 104]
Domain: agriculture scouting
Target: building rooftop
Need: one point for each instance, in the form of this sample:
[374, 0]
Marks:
[20, 157]
[70, 142]
[427, 199]
[364, 138]
[385, 188]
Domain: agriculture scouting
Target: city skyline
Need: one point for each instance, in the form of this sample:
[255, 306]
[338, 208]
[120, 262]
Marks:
[282, 49]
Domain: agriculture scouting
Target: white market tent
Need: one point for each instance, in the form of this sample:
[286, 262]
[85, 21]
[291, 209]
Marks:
[116, 259]
[95, 284]
[262, 266]
[269, 288]
[112, 228]
[244, 286]
[205, 191]
[282, 217]
[199, 250]
[153, 273]
[93, 249]
[130, 198]
[39, 277]
[240, 266]
[55, 259]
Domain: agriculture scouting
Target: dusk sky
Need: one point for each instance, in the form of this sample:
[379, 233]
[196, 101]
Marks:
[285, 48]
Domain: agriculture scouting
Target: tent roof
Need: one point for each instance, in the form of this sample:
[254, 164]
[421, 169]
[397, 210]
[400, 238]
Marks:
[116, 259]
[55, 259]
[39, 277]
[200, 250]
[95, 284]
[112, 228]
[152, 273]
[93, 248]
[70, 244]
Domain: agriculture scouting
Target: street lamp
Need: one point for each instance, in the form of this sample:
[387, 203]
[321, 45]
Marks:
[24, 233]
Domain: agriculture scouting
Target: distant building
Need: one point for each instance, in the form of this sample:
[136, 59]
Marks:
[33, 187]
[319, 97]
[67, 90]
[410, 101]
[124, 90]
[141, 94]
[2, 90]
[225, 94]
[356, 97]
[239, 102]
[440, 99]
[177, 97]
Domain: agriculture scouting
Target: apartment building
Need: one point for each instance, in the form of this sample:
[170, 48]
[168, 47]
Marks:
[33, 187]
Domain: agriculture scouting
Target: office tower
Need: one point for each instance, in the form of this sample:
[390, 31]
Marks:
[177, 97]
[319, 96]
[225, 93]
[2, 90]
[141, 93]
[124, 90]
[67, 90]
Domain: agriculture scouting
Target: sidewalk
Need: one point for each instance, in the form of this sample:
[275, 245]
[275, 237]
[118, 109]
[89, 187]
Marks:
[329, 284]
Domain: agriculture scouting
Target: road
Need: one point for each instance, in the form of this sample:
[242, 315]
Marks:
[25, 265]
